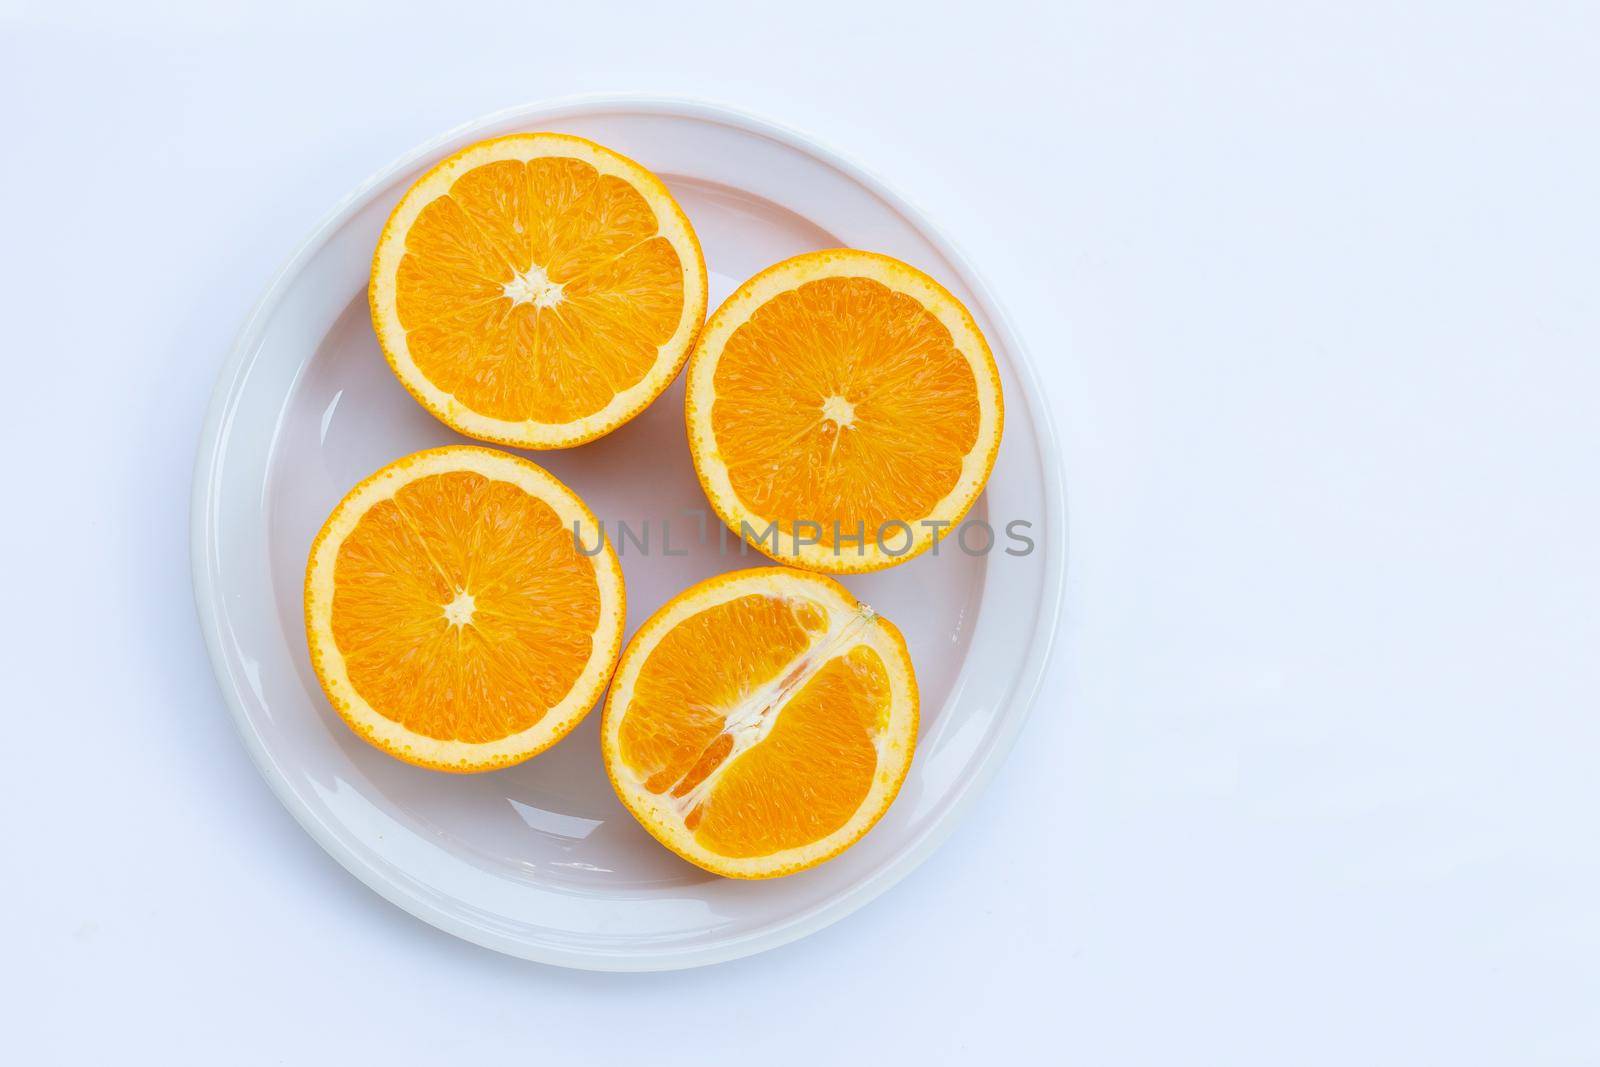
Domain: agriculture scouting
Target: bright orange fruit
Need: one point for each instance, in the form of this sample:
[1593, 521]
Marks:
[761, 722]
[537, 290]
[452, 618]
[843, 411]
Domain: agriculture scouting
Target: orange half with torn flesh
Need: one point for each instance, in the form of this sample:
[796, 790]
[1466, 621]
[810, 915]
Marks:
[761, 722]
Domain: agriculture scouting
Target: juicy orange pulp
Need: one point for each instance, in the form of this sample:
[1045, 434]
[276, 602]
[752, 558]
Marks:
[812, 772]
[843, 401]
[463, 608]
[757, 673]
[538, 290]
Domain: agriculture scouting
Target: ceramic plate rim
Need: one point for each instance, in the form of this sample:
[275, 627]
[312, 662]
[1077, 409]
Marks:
[1021, 694]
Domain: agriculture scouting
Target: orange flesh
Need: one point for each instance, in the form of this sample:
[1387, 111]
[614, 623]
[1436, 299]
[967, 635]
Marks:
[813, 770]
[594, 291]
[423, 655]
[842, 401]
[679, 705]
[814, 766]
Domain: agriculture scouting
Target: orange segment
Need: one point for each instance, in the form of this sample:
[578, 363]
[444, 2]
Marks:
[451, 617]
[761, 722]
[848, 400]
[537, 290]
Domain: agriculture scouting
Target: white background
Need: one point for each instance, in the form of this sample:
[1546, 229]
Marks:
[1313, 290]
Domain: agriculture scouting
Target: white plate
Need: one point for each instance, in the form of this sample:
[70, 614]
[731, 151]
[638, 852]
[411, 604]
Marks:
[540, 860]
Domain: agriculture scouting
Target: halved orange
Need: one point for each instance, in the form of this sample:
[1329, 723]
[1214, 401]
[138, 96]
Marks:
[761, 722]
[844, 411]
[455, 614]
[537, 290]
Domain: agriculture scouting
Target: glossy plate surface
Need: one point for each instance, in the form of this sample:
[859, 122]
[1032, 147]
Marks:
[541, 860]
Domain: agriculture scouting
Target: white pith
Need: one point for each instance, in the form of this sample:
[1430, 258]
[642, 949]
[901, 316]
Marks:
[533, 286]
[459, 611]
[839, 411]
